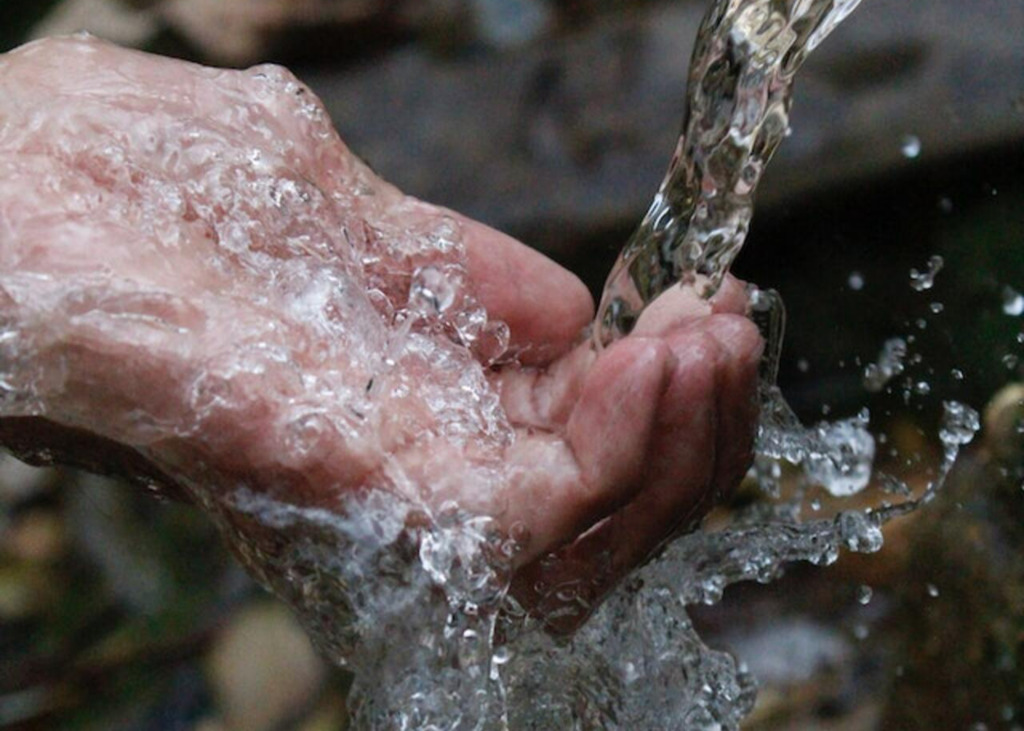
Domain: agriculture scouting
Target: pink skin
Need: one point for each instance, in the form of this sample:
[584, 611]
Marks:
[611, 453]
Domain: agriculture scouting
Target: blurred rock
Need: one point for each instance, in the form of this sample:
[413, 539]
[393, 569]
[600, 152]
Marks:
[37, 537]
[110, 19]
[1004, 422]
[242, 32]
[552, 142]
[108, 532]
[508, 23]
[962, 603]
[19, 481]
[263, 670]
[26, 589]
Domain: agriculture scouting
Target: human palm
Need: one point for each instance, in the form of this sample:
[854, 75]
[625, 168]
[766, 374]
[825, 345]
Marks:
[199, 283]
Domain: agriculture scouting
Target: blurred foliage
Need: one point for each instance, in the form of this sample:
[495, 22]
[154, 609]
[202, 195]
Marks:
[113, 606]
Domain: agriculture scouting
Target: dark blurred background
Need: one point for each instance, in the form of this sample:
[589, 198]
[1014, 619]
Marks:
[554, 120]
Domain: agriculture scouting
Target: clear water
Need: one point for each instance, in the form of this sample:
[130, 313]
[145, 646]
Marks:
[422, 616]
[425, 621]
[738, 100]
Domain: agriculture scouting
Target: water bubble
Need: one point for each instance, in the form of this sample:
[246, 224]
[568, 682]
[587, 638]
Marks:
[859, 531]
[431, 290]
[1010, 361]
[945, 205]
[894, 486]
[840, 456]
[856, 281]
[889, 364]
[936, 307]
[910, 146]
[933, 591]
[925, 280]
[861, 631]
[958, 375]
[922, 388]
[1013, 302]
[864, 594]
[802, 365]
[959, 424]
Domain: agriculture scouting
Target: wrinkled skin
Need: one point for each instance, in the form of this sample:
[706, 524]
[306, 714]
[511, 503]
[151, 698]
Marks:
[174, 317]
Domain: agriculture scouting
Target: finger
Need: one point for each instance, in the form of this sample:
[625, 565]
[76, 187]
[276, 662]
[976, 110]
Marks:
[543, 398]
[564, 484]
[701, 449]
[731, 297]
[680, 305]
[740, 348]
[565, 588]
[545, 306]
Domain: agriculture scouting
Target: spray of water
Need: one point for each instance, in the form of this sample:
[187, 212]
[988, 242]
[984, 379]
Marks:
[414, 599]
[419, 617]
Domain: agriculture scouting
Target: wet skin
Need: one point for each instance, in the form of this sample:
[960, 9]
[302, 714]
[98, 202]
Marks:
[123, 291]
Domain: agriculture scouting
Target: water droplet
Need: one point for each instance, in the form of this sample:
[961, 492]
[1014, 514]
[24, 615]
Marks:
[889, 364]
[861, 632]
[959, 424]
[1013, 302]
[1010, 361]
[945, 205]
[910, 146]
[925, 280]
[856, 281]
[803, 366]
[864, 594]
[431, 290]
[933, 591]
[859, 532]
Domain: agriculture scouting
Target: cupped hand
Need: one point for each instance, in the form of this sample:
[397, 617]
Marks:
[200, 284]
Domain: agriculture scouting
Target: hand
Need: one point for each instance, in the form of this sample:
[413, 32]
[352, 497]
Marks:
[201, 284]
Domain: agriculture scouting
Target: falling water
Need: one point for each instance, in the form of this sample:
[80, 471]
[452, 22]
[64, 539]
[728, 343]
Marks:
[738, 100]
[425, 620]
[422, 615]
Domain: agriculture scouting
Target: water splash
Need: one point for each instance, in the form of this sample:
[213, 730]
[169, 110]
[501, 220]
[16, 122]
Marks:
[425, 618]
[738, 99]
[922, 281]
[414, 600]
[890, 364]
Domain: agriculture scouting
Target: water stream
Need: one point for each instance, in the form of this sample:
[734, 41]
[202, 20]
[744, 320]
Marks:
[422, 614]
[418, 617]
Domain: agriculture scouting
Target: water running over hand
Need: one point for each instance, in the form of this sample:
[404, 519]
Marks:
[738, 99]
[421, 626]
